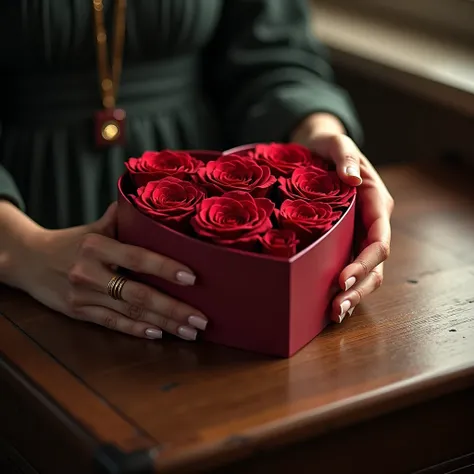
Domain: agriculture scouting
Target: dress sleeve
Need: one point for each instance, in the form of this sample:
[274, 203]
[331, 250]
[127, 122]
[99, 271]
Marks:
[266, 72]
[8, 189]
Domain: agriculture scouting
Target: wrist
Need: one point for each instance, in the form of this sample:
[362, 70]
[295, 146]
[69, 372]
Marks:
[317, 124]
[18, 235]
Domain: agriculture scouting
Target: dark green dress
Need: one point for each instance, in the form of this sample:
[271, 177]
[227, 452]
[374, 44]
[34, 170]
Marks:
[197, 74]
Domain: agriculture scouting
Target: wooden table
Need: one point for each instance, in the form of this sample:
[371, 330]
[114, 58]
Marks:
[389, 391]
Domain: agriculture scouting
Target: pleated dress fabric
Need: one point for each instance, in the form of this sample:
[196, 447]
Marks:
[197, 74]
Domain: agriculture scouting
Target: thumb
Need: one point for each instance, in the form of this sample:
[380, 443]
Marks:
[343, 152]
[107, 224]
[346, 156]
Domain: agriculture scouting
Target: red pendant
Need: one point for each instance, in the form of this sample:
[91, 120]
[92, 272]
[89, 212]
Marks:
[110, 127]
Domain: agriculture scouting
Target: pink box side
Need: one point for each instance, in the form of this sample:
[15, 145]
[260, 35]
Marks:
[314, 281]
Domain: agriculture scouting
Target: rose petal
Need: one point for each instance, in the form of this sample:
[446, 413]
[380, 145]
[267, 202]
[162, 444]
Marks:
[282, 159]
[309, 220]
[170, 201]
[315, 185]
[280, 243]
[155, 165]
[233, 219]
[233, 172]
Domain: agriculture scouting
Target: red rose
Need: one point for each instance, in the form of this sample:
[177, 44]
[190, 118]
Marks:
[170, 201]
[313, 184]
[280, 243]
[154, 165]
[321, 163]
[282, 159]
[235, 173]
[309, 220]
[235, 219]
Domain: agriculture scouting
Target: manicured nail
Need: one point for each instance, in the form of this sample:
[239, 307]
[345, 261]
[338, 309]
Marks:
[198, 322]
[347, 313]
[186, 278]
[152, 333]
[349, 283]
[344, 308]
[353, 172]
[187, 333]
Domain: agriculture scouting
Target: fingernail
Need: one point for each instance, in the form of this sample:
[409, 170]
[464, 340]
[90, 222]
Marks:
[186, 278]
[198, 322]
[344, 308]
[348, 313]
[349, 283]
[353, 172]
[154, 333]
[187, 333]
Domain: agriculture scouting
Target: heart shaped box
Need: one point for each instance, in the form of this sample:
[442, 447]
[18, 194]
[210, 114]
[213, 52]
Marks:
[270, 305]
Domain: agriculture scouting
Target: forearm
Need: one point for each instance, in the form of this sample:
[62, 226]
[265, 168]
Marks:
[265, 53]
[18, 231]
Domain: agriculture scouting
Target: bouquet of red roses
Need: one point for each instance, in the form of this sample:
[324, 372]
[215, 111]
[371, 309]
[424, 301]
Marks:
[275, 199]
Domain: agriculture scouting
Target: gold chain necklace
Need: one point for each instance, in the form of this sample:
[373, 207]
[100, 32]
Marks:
[109, 122]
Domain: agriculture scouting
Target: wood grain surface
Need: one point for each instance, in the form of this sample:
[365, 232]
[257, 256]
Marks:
[405, 356]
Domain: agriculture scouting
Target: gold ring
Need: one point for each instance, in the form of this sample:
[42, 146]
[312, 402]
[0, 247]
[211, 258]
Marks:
[115, 286]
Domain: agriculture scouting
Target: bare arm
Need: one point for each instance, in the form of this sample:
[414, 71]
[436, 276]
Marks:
[18, 232]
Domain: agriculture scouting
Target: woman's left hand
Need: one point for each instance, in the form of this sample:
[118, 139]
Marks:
[325, 135]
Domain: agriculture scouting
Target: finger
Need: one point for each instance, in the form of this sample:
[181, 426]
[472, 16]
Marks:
[189, 333]
[344, 303]
[136, 259]
[107, 224]
[374, 254]
[186, 329]
[346, 156]
[141, 296]
[118, 322]
[137, 295]
[88, 276]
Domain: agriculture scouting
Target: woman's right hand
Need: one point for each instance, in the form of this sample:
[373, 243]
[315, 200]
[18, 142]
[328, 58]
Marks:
[68, 270]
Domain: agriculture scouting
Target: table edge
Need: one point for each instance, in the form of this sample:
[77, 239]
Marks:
[319, 421]
[107, 455]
